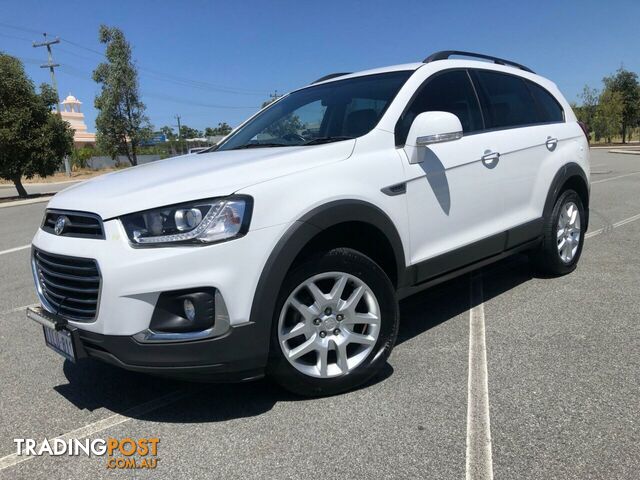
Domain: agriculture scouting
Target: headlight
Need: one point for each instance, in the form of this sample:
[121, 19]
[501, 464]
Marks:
[199, 222]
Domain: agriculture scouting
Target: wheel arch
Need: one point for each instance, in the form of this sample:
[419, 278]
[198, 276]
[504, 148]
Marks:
[570, 176]
[316, 229]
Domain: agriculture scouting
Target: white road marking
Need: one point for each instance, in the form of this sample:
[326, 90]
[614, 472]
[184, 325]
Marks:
[615, 178]
[479, 465]
[16, 249]
[611, 227]
[100, 425]
[18, 309]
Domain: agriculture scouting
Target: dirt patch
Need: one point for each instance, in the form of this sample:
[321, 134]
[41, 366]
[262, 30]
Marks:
[80, 174]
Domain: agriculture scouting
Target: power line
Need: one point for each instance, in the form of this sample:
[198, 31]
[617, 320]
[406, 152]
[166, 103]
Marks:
[33, 61]
[76, 73]
[174, 78]
[14, 37]
[146, 73]
[82, 47]
[194, 103]
[161, 76]
[16, 27]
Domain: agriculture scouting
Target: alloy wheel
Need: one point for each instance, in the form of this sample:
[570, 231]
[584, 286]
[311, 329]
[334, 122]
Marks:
[568, 232]
[329, 324]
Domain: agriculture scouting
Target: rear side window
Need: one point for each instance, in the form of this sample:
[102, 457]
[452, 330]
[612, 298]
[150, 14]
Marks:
[445, 92]
[549, 108]
[507, 100]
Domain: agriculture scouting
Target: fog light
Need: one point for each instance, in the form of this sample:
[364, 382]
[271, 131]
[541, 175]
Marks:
[189, 309]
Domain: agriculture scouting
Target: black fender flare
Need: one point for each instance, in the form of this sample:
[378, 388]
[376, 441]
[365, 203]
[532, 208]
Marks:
[561, 177]
[294, 240]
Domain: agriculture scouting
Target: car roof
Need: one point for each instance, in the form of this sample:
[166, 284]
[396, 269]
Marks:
[450, 63]
[373, 71]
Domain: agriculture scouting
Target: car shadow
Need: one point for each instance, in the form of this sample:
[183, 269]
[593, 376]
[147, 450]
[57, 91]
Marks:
[428, 309]
[94, 385]
[436, 175]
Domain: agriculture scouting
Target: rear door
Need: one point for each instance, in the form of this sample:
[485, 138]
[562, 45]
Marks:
[525, 127]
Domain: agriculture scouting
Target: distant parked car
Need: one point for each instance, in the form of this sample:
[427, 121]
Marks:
[198, 149]
[284, 249]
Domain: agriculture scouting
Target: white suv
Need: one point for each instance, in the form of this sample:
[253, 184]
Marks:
[285, 249]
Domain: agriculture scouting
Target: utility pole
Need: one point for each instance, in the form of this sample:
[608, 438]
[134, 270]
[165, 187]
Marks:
[179, 133]
[51, 66]
[274, 96]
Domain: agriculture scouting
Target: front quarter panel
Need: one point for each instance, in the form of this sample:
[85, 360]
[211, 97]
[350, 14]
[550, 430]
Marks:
[373, 166]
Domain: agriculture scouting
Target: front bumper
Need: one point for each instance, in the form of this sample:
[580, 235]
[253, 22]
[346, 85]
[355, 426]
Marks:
[236, 356]
[134, 278]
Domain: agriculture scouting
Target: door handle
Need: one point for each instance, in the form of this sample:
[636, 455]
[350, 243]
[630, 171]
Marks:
[551, 143]
[490, 159]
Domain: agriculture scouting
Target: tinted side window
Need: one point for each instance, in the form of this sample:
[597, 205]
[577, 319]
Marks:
[550, 109]
[445, 92]
[507, 100]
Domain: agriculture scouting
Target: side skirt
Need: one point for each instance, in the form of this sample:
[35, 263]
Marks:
[471, 257]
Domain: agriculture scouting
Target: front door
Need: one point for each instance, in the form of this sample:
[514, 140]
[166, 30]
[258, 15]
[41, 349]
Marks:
[454, 193]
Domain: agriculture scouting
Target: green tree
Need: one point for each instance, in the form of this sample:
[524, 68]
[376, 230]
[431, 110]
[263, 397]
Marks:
[188, 132]
[121, 123]
[609, 114]
[81, 156]
[168, 132]
[626, 83]
[586, 112]
[33, 141]
[223, 129]
[272, 99]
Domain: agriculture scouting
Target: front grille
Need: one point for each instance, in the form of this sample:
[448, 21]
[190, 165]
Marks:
[77, 224]
[68, 286]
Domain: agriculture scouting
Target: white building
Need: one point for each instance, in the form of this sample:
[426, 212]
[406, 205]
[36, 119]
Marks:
[70, 112]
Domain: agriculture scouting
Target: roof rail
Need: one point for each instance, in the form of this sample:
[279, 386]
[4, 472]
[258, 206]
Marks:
[330, 76]
[445, 54]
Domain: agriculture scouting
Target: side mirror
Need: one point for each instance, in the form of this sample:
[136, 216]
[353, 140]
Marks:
[434, 127]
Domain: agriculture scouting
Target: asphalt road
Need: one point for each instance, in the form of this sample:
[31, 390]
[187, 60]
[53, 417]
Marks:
[563, 378]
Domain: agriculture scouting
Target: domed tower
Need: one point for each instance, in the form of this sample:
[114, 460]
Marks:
[70, 112]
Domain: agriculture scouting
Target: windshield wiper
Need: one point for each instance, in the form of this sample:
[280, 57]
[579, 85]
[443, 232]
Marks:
[319, 140]
[259, 145]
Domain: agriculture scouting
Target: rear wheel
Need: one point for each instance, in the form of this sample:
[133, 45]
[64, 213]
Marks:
[563, 235]
[335, 324]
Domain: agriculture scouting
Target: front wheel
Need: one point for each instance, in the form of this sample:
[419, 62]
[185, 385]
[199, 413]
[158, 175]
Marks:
[563, 233]
[335, 324]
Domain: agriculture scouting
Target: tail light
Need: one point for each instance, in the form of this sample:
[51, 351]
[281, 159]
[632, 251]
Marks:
[585, 129]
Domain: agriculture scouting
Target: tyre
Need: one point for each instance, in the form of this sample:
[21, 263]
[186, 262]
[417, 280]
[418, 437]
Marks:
[563, 236]
[335, 324]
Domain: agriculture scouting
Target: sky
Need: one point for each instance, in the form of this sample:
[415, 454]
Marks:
[217, 61]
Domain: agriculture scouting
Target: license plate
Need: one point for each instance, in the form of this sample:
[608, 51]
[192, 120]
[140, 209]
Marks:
[57, 335]
[60, 341]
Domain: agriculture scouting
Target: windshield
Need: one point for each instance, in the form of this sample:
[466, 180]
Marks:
[335, 111]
